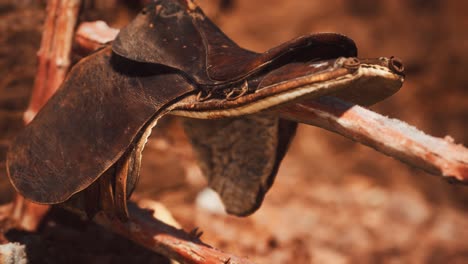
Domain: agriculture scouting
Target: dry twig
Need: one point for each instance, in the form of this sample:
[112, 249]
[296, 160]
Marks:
[92, 35]
[390, 136]
[54, 53]
[169, 241]
[54, 61]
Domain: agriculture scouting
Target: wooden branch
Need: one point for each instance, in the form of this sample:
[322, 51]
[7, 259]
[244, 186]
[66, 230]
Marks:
[54, 53]
[390, 136]
[53, 63]
[92, 35]
[144, 229]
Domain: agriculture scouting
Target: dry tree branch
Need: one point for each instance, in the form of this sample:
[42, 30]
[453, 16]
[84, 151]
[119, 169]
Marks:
[144, 229]
[53, 64]
[392, 137]
[92, 35]
[54, 52]
[389, 136]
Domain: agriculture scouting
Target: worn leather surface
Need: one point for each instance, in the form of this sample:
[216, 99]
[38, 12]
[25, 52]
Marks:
[240, 156]
[88, 124]
[169, 32]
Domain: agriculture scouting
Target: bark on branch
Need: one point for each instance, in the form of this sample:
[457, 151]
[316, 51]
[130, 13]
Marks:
[53, 63]
[392, 137]
[54, 53]
[144, 229]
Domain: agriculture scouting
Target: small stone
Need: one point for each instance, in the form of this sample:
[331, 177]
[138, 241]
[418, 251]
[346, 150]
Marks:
[209, 200]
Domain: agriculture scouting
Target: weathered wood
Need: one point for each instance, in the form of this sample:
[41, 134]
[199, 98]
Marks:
[144, 229]
[54, 53]
[390, 136]
[90, 36]
[54, 62]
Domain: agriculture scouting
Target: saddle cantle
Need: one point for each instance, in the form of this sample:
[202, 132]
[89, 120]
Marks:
[174, 34]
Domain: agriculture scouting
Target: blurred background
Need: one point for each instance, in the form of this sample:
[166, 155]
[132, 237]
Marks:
[334, 201]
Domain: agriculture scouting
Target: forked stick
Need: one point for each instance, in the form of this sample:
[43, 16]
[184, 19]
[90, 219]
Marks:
[392, 137]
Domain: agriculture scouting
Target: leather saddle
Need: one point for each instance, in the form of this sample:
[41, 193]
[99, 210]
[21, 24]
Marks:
[85, 145]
